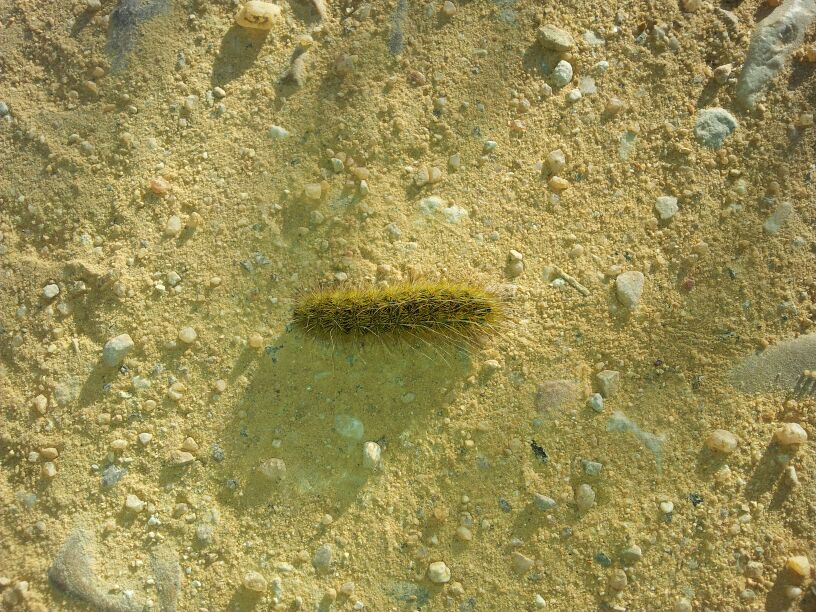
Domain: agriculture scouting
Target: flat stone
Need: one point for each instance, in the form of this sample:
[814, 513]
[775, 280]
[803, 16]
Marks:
[629, 288]
[273, 469]
[542, 502]
[631, 554]
[552, 395]
[666, 207]
[551, 37]
[713, 126]
[116, 349]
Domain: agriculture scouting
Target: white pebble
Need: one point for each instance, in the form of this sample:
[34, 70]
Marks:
[134, 504]
[666, 207]
[372, 456]
[187, 335]
[116, 349]
[173, 226]
[51, 291]
[258, 15]
[439, 573]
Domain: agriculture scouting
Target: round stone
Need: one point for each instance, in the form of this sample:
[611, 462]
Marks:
[51, 290]
[439, 573]
[721, 441]
[187, 335]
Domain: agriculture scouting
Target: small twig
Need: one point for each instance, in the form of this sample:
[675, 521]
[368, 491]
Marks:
[571, 281]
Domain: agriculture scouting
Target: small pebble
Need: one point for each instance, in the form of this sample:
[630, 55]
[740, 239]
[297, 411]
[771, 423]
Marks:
[464, 534]
[631, 554]
[799, 565]
[562, 74]
[439, 573]
[322, 559]
[448, 8]
[666, 507]
[253, 581]
[144, 438]
[596, 402]
[666, 207]
[273, 469]
[116, 349]
[173, 226]
[276, 132]
[556, 161]
[48, 470]
[713, 126]
[543, 503]
[521, 563]
[584, 497]
[134, 504]
[618, 580]
[255, 341]
[721, 441]
[556, 39]
[187, 335]
[791, 434]
[180, 458]
[51, 291]
[608, 382]
[372, 456]
[257, 15]
[313, 191]
[629, 288]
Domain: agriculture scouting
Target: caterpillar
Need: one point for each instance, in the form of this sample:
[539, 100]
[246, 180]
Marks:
[423, 310]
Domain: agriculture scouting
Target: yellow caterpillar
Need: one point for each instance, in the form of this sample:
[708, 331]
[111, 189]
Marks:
[423, 310]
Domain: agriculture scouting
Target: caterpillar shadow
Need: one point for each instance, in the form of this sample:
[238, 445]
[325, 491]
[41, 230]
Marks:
[314, 405]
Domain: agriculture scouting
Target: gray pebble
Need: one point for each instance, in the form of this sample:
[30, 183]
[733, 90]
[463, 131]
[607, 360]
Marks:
[116, 349]
[4, 109]
[322, 559]
[713, 126]
[543, 503]
[111, 475]
[592, 468]
[596, 402]
[562, 74]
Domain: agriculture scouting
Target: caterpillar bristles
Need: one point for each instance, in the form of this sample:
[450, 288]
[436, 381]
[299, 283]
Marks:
[429, 312]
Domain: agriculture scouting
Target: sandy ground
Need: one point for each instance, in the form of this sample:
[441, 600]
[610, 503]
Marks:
[116, 125]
